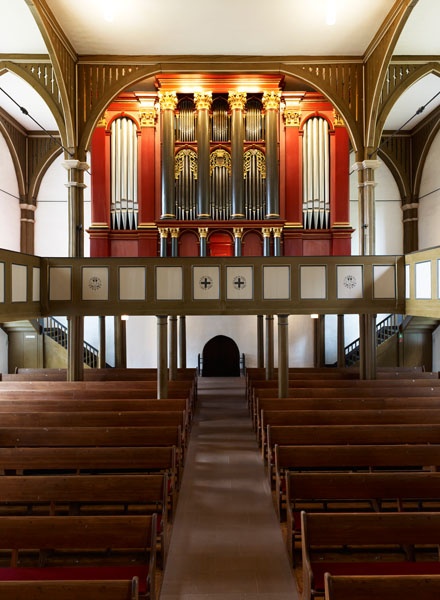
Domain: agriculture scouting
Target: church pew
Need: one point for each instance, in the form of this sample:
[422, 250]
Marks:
[98, 418]
[357, 458]
[270, 418]
[381, 587]
[55, 404]
[94, 461]
[375, 403]
[86, 494]
[305, 435]
[380, 543]
[107, 374]
[103, 547]
[70, 590]
[359, 492]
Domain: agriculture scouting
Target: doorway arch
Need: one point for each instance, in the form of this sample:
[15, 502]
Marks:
[221, 358]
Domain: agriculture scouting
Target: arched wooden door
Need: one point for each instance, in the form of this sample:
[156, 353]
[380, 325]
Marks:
[221, 358]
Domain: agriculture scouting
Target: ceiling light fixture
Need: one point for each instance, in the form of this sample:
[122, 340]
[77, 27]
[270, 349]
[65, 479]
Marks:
[331, 12]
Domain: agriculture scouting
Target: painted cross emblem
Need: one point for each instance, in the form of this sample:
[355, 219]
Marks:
[205, 282]
[239, 282]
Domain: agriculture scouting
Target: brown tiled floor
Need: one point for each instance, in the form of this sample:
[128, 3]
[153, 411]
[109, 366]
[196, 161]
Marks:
[226, 541]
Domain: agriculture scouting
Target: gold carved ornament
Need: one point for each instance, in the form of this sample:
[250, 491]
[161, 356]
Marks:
[147, 117]
[237, 100]
[167, 100]
[203, 100]
[271, 100]
[292, 117]
[261, 162]
[220, 159]
[179, 162]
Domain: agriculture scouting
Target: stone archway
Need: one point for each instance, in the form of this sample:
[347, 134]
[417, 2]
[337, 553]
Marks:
[221, 358]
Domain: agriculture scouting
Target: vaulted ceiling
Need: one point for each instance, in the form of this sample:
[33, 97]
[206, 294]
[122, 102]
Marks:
[294, 28]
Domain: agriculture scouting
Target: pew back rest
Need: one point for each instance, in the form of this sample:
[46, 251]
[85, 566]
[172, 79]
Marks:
[70, 590]
[385, 587]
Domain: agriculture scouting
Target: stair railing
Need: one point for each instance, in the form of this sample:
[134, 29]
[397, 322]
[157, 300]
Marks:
[60, 334]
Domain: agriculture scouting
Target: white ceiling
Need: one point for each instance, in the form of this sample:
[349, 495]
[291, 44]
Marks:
[226, 27]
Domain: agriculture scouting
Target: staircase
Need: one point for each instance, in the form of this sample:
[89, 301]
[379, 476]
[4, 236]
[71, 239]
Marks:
[384, 331]
[59, 333]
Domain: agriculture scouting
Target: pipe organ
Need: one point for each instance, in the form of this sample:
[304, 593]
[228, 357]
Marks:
[271, 163]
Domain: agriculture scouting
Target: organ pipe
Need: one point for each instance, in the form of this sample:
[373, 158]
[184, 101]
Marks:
[124, 174]
[316, 201]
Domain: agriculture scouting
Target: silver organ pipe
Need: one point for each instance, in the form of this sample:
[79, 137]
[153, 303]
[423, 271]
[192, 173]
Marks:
[124, 174]
[316, 204]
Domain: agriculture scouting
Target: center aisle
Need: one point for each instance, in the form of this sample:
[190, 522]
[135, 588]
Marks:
[226, 541]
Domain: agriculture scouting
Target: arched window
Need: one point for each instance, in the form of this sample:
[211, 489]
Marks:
[316, 168]
[124, 174]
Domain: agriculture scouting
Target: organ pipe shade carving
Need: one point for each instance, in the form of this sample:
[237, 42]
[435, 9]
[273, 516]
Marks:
[124, 174]
[254, 184]
[254, 121]
[316, 168]
[185, 121]
[221, 195]
[185, 173]
[220, 121]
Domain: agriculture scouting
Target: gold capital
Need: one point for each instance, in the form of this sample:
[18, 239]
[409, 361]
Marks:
[203, 100]
[266, 231]
[163, 231]
[237, 100]
[167, 100]
[271, 100]
[174, 232]
[292, 117]
[277, 231]
[203, 232]
[238, 232]
[147, 117]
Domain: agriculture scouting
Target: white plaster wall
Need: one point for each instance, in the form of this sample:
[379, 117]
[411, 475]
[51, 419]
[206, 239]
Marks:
[429, 199]
[142, 336]
[52, 214]
[9, 201]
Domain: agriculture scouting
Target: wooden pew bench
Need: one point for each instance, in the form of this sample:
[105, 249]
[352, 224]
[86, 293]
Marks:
[95, 461]
[346, 417]
[382, 587]
[55, 404]
[357, 458]
[304, 435]
[367, 544]
[87, 547]
[376, 403]
[98, 418]
[89, 495]
[70, 590]
[357, 492]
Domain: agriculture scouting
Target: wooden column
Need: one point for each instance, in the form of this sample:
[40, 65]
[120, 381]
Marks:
[102, 343]
[182, 341]
[269, 347]
[293, 163]
[162, 356]
[100, 189]
[341, 341]
[366, 187]
[75, 186]
[173, 348]
[203, 102]
[367, 346]
[410, 227]
[120, 342]
[203, 234]
[238, 232]
[260, 341]
[27, 226]
[237, 103]
[283, 356]
[168, 103]
[319, 337]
